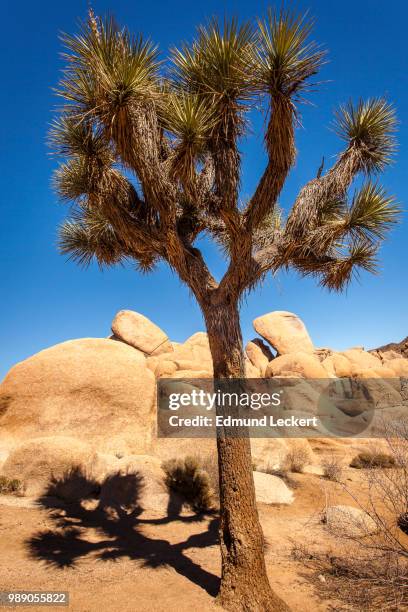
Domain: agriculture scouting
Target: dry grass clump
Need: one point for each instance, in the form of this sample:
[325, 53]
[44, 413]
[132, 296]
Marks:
[373, 460]
[297, 459]
[368, 569]
[11, 486]
[332, 469]
[187, 478]
[294, 461]
[361, 581]
[209, 464]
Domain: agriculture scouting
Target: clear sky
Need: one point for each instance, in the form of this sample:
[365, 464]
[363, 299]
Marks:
[45, 299]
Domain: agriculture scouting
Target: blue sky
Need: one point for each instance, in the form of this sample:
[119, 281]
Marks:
[46, 299]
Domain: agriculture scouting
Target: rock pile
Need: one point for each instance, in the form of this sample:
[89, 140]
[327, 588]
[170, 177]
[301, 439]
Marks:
[93, 400]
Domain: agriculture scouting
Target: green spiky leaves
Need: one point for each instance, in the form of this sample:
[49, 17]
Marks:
[361, 255]
[72, 137]
[217, 63]
[87, 150]
[108, 69]
[369, 128]
[71, 180]
[369, 217]
[372, 212]
[86, 240]
[345, 238]
[153, 161]
[285, 58]
[190, 120]
[233, 62]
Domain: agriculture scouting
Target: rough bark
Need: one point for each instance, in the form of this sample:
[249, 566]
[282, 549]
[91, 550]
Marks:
[244, 581]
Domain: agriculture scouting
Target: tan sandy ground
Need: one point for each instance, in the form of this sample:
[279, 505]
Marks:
[147, 564]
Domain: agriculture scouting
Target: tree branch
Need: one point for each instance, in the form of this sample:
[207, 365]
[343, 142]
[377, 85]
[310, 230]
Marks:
[281, 156]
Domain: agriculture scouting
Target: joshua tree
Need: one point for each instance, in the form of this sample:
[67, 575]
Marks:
[152, 163]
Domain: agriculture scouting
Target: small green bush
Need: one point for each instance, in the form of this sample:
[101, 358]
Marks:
[187, 478]
[373, 460]
[10, 486]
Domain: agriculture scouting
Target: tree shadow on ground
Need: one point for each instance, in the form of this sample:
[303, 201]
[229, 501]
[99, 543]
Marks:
[112, 513]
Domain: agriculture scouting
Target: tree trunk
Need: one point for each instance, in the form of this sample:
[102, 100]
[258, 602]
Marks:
[244, 581]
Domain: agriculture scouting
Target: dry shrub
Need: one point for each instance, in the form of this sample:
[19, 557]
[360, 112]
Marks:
[187, 478]
[209, 463]
[332, 469]
[373, 460]
[402, 522]
[297, 459]
[11, 486]
[361, 581]
[294, 461]
[369, 571]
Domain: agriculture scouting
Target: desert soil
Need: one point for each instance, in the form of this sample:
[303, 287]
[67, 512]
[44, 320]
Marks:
[145, 563]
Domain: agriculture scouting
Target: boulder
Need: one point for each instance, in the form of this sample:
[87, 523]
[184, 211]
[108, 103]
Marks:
[284, 331]
[347, 521]
[392, 350]
[165, 368]
[198, 339]
[271, 489]
[152, 363]
[195, 350]
[193, 374]
[398, 366]
[180, 352]
[316, 470]
[361, 359]
[383, 394]
[186, 364]
[199, 347]
[323, 352]
[305, 365]
[259, 354]
[250, 370]
[337, 365]
[305, 398]
[138, 331]
[387, 355]
[94, 390]
[388, 374]
[41, 461]
[268, 453]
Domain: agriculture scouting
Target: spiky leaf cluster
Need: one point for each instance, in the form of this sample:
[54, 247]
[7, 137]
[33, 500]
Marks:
[152, 162]
[189, 119]
[107, 68]
[217, 63]
[285, 59]
[369, 128]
